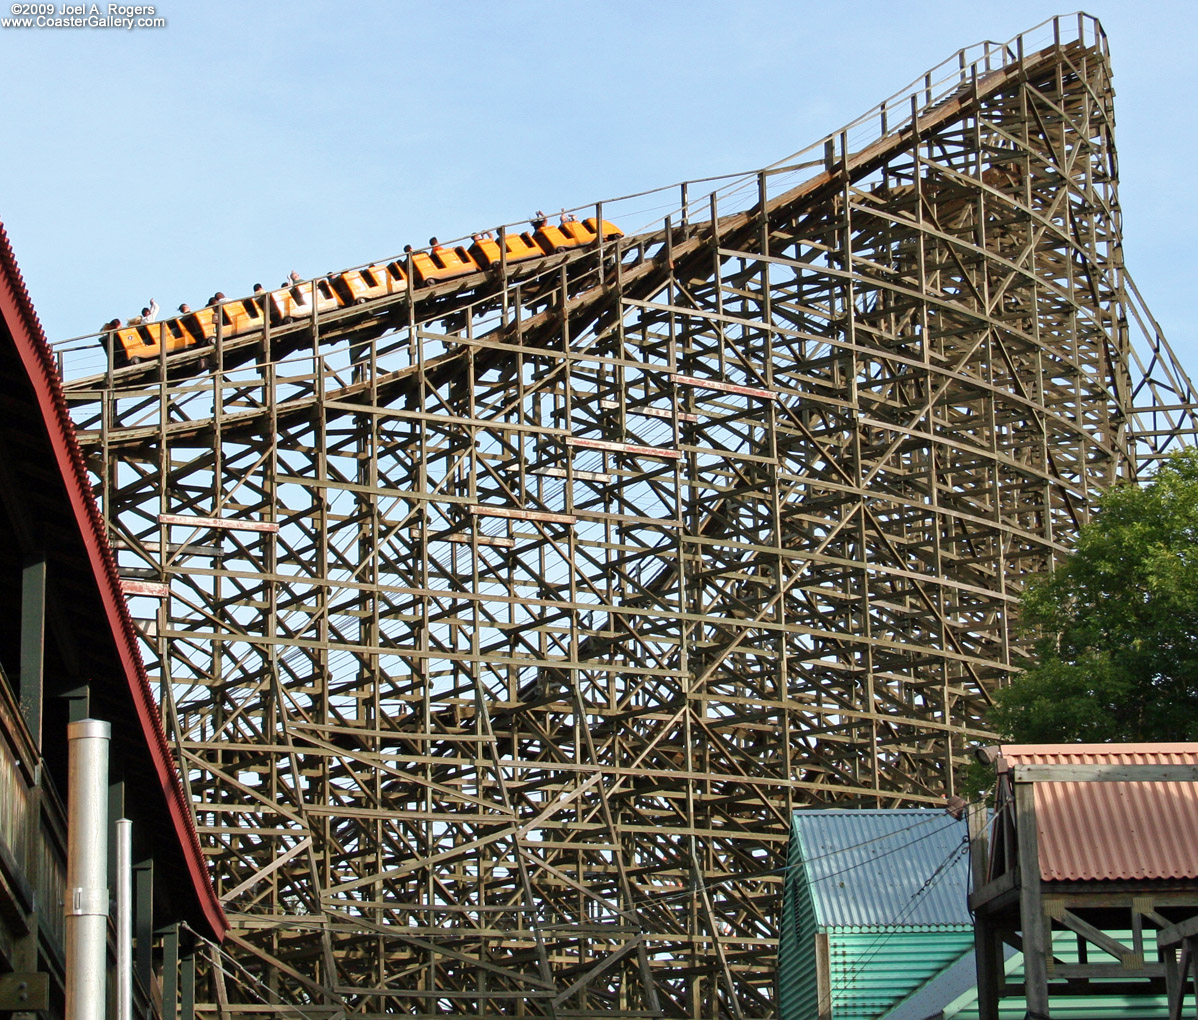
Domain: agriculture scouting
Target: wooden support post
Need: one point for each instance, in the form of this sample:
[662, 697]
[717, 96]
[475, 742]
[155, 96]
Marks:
[33, 628]
[823, 978]
[78, 703]
[116, 810]
[143, 924]
[187, 984]
[170, 972]
[987, 947]
[1036, 944]
[1174, 986]
[979, 844]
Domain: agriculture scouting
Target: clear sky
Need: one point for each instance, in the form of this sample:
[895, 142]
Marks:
[246, 139]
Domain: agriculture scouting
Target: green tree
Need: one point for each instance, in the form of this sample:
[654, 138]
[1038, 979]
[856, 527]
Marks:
[1116, 624]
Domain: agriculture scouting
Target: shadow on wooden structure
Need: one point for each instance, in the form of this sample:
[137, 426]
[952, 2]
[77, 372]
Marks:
[1087, 869]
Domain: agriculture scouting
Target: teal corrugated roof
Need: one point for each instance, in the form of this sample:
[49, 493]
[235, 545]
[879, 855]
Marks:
[895, 867]
[881, 894]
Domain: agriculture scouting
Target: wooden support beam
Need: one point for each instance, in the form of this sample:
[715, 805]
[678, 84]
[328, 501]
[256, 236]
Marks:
[1032, 922]
[143, 924]
[33, 655]
[1114, 773]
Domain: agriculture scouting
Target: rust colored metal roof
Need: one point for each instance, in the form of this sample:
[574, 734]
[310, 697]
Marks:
[1113, 830]
[54, 432]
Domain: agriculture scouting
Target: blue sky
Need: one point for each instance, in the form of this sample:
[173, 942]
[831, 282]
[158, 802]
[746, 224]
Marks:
[247, 139]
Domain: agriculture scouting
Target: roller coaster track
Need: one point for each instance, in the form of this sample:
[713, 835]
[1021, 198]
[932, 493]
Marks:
[501, 624]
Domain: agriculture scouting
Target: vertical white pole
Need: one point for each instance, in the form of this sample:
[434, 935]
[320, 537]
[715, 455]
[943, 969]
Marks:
[124, 919]
[87, 867]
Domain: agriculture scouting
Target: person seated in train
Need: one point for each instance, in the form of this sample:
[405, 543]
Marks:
[538, 221]
[107, 329]
[434, 245]
[185, 309]
[567, 218]
[147, 315]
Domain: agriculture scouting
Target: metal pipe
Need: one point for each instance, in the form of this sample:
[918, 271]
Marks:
[124, 919]
[87, 866]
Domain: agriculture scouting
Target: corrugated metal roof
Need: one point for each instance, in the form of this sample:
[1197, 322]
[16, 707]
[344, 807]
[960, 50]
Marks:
[1099, 830]
[892, 868]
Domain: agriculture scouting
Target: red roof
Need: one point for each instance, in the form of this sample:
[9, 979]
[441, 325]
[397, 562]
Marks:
[1113, 830]
[19, 319]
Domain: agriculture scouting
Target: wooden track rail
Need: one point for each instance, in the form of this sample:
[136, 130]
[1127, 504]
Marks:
[509, 620]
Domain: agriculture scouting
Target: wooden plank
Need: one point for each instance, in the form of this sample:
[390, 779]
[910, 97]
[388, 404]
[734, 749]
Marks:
[217, 522]
[514, 513]
[1107, 971]
[274, 865]
[653, 412]
[149, 588]
[1127, 957]
[495, 540]
[1173, 935]
[992, 890]
[579, 473]
[978, 843]
[639, 451]
[1031, 913]
[24, 992]
[726, 387]
[823, 978]
[1113, 773]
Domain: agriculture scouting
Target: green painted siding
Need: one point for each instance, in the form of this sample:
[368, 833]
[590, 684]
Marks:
[873, 865]
[1070, 1007]
[796, 944]
[875, 968]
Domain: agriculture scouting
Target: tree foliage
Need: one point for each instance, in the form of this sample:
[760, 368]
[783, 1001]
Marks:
[1116, 624]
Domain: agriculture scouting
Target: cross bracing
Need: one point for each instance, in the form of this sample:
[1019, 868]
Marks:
[510, 618]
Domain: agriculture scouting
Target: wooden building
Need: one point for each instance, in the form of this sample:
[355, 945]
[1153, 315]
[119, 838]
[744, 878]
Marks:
[1090, 868]
[68, 651]
[874, 911]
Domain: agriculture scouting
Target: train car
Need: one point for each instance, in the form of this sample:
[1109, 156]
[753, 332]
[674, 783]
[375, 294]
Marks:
[357, 286]
[573, 234]
[441, 264]
[134, 344]
[294, 302]
[610, 230]
[520, 248]
[554, 239]
[242, 316]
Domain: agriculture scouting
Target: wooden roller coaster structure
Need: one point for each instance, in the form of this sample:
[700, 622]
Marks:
[500, 625]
